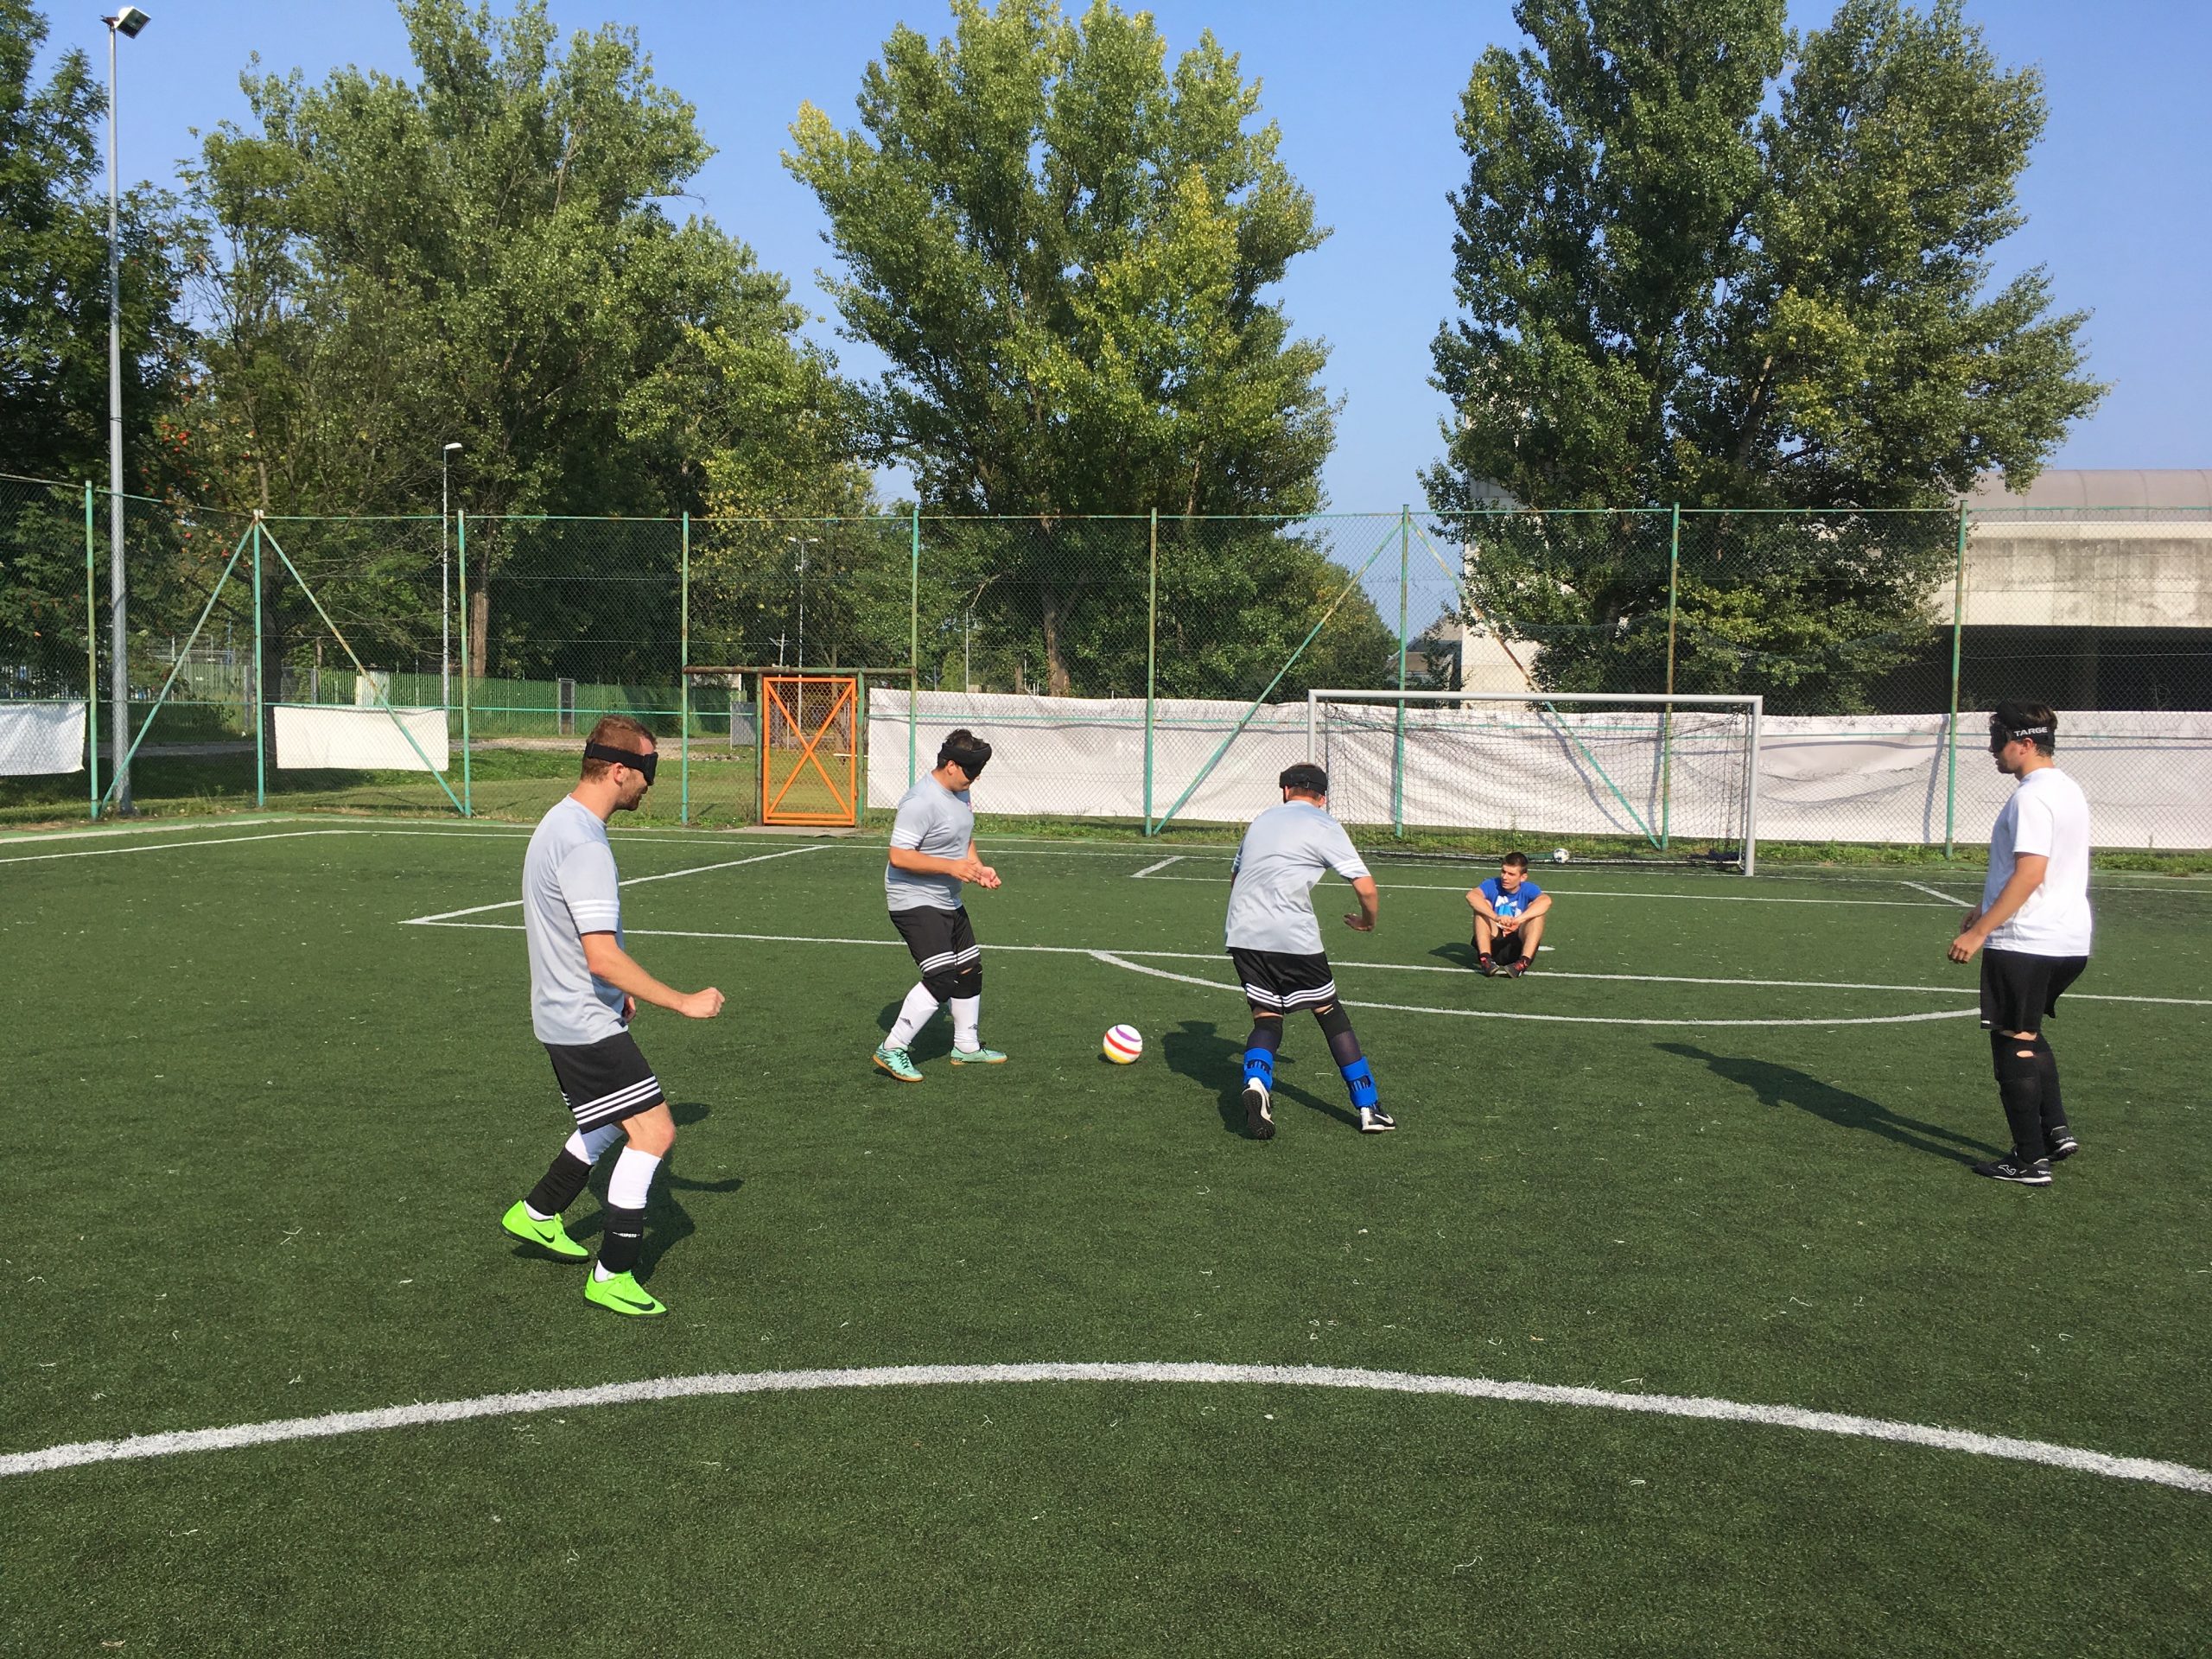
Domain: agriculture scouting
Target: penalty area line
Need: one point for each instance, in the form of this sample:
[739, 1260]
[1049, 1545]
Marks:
[634, 881]
[237, 1436]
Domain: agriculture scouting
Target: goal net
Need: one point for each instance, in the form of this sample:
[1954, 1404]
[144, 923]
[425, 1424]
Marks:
[1611, 777]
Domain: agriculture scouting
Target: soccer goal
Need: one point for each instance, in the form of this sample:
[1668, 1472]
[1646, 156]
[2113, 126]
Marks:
[1629, 777]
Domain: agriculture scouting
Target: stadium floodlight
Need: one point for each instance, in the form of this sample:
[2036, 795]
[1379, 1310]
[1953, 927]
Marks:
[445, 591]
[1667, 776]
[126, 23]
[802, 543]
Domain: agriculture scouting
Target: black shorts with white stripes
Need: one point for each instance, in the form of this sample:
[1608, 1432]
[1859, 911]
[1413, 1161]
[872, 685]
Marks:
[1277, 982]
[604, 1082]
[944, 949]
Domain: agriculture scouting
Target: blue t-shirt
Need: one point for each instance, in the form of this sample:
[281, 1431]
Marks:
[1511, 904]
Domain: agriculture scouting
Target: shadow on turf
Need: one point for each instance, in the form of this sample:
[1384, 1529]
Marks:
[1196, 1050]
[1783, 1085]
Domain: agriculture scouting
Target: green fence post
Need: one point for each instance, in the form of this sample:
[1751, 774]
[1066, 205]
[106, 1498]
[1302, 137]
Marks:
[1151, 661]
[1958, 630]
[1398, 744]
[914, 636]
[683, 675]
[1667, 713]
[92, 666]
[260, 692]
[461, 566]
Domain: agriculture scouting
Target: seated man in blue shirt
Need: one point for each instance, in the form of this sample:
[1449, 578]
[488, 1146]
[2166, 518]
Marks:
[1510, 911]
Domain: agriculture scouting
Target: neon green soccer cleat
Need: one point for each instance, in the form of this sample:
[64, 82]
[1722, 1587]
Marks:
[622, 1293]
[977, 1057]
[894, 1061]
[547, 1235]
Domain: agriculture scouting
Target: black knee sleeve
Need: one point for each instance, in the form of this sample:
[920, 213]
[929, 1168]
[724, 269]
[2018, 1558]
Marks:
[2019, 1086]
[1267, 1032]
[1334, 1021]
[968, 982]
[945, 984]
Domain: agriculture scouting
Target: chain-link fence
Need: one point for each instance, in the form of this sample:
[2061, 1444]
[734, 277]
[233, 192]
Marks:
[1167, 639]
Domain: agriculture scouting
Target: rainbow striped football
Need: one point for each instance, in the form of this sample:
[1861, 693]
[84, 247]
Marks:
[1122, 1044]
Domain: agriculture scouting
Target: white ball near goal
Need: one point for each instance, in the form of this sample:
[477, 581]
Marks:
[1559, 854]
[1122, 1044]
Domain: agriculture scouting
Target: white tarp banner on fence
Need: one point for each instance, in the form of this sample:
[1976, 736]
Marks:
[360, 740]
[1869, 778]
[41, 737]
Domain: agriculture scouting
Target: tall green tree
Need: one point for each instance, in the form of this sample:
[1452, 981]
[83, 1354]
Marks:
[1701, 260]
[54, 327]
[479, 255]
[1065, 249]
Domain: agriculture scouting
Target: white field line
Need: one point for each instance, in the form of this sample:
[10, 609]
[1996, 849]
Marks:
[1937, 893]
[177, 846]
[176, 1442]
[1392, 967]
[444, 916]
[1138, 875]
[156, 827]
[1557, 1019]
[1610, 892]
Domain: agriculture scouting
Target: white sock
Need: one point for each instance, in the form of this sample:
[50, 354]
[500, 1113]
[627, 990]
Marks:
[967, 1012]
[913, 1014]
[633, 1174]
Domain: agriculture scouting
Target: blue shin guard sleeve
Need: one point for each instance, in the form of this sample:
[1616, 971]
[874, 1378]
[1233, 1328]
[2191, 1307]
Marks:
[1359, 1078]
[1260, 1067]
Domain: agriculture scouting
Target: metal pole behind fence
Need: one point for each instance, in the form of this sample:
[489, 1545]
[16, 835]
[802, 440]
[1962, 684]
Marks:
[461, 584]
[260, 752]
[683, 675]
[91, 662]
[1958, 628]
[914, 636]
[1398, 745]
[1151, 660]
[1667, 714]
[118, 630]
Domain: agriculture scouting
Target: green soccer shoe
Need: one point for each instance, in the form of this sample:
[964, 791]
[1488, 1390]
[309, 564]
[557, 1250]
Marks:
[894, 1061]
[623, 1294]
[977, 1057]
[547, 1235]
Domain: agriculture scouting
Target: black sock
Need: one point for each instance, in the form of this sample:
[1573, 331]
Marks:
[2019, 1086]
[557, 1188]
[2053, 1108]
[624, 1239]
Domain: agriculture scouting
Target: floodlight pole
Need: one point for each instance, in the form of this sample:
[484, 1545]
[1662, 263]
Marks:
[118, 632]
[800, 543]
[445, 594]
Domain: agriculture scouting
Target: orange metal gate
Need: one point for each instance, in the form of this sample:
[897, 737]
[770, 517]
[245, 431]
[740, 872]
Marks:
[810, 748]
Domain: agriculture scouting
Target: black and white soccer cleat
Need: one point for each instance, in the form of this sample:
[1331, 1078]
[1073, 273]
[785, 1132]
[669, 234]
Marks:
[1259, 1119]
[2021, 1171]
[2062, 1144]
[1373, 1120]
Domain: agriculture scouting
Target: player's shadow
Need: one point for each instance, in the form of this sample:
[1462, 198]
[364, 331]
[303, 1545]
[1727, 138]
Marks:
[1783, 1085]
[668, 1223]
[932, 1042]
[1196, 1050]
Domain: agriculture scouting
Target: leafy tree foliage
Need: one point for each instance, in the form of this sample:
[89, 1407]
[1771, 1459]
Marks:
[1703, 261]
[1063, 247]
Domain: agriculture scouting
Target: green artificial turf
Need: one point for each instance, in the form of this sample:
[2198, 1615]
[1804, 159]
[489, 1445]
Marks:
[260, 1134]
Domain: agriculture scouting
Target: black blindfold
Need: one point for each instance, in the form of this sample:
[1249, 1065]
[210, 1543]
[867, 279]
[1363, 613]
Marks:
[630, 757]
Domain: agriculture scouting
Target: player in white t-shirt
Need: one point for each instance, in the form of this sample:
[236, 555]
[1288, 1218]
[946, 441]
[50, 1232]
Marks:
[2034, 921]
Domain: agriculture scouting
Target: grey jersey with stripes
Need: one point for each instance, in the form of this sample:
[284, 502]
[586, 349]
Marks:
[569, 890]
[1287, 850]
[935, 820]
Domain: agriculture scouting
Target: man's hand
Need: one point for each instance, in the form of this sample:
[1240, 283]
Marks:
[629, 1007]
[1971, 938]
[700, 1005]
[986, 877]
[1506, 923]
[1358, 923]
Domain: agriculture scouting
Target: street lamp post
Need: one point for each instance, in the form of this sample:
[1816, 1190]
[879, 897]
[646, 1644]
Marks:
[126, 23]
[445, 590]
[802, 543]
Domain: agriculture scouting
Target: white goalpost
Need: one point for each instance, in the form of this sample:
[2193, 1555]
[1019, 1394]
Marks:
[1660, 776]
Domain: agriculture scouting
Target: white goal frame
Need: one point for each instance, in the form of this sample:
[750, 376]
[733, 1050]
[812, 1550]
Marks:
[1753, 706]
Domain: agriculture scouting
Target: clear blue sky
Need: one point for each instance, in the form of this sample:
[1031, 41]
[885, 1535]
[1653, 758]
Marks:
[1365, 95]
